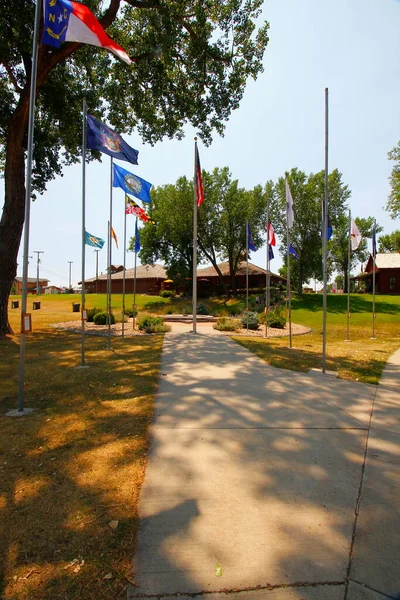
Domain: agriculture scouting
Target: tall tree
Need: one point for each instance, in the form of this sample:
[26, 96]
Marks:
[393, 203]
[192, 62]
[221, 224]
[305, 235]
[390, 242]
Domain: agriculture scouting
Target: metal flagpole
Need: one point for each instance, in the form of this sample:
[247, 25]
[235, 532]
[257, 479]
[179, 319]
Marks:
[25, 320]
[83, 230]
[123, 278]
[110, 259]
[289, 303]
[194, 293]
[247, 273]
[108, 278]
[134, 280]
[267, 279]
[348, 282]
[373, 279]
[324, 235]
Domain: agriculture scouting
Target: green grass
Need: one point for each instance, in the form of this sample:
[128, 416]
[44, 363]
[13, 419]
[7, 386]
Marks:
[360, 359]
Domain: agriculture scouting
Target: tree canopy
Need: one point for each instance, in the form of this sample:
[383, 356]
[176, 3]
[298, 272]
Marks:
[393, 203]
[390, 242]
[192, 62]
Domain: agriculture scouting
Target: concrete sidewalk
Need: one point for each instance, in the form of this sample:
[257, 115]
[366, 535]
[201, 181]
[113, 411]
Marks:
[268, 484]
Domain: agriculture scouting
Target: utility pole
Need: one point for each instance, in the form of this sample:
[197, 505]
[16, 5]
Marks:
[97, 267]
[70, 263]
[38, 252]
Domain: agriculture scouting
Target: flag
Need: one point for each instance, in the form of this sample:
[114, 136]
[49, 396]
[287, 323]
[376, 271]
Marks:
[113, 235]
[103, 138]
[131, 208]
[293, 252]
[330, 230]
[92, 240]
[251, 245]
[132, 184]
[137, 239]
[66, 21]
[289, 207]
[271, 234]
[374, 242]
[355, 235]
[270, 252]
[198, 180]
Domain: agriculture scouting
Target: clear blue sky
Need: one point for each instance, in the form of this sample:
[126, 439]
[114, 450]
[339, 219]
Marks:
[350, 46]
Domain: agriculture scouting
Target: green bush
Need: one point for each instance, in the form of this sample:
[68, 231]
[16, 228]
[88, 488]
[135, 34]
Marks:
[131, 312]
[162, 328]
[250, 320]
[202, 309]
[234, 309]
[227, 324]
[276, 318]
[101, 318]
[91, 312]
[150, 322]
[168, 294]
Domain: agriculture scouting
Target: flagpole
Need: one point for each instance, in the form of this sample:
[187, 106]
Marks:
[83, 229]
[267, 279]
[194, 293]
[324, 234]
[110, 258]
[373, 279]
[123, 278]
[31, 128]
[348, 282]
[134, 280]
[247, 274]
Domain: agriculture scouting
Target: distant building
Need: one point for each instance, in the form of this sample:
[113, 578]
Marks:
[52, 289]
[257, 277]
[31, 284]
[148, 280]
[387, 274]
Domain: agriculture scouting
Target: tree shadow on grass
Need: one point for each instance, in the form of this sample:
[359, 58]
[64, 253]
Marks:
[338, 304]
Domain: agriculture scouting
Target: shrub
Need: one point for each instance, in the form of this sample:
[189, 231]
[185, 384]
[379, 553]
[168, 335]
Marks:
[101, 318]
[168, 294]
[250, 320]
[276, 318]
[234, 309]
[150, 322]
[202, 309]
[91, 312]
[227, 324]
[131, 312]
[163, 328]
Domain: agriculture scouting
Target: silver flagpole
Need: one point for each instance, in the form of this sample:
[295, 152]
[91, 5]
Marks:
[194, 294]
[110, 259]
[247, 273]
[373, 280]
[123, 278]
[108, 278]
[348, 282]
[134, 280]
[31, 127]
[268, 278]
[288, 290]
[324, 234]
[83, 229]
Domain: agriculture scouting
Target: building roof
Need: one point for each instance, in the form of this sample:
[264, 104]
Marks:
[241, 270]
[142, 272]
[30, 279]
[388, 261]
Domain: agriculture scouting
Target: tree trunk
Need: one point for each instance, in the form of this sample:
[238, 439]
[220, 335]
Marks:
[12, 219]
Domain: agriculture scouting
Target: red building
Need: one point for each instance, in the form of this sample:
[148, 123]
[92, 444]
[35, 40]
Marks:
[387, 274]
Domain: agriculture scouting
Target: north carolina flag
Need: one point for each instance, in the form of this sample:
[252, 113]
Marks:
[198, 180]
[66, 21]
[270, 252]
[271, 234]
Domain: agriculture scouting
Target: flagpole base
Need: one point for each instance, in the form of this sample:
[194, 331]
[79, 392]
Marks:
[19, 413]
[82, 367]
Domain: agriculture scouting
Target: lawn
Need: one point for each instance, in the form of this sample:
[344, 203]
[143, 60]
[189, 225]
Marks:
[71, 472]
[360, 359]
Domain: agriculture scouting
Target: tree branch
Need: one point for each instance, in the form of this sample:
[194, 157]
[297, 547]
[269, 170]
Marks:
[11, 75]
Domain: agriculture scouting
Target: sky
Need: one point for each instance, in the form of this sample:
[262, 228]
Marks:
[351, 47]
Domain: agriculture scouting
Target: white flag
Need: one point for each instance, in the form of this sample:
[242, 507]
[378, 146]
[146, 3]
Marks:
[355, 235]
[289, 207]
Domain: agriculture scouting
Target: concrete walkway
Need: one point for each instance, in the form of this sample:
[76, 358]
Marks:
[266, 484]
